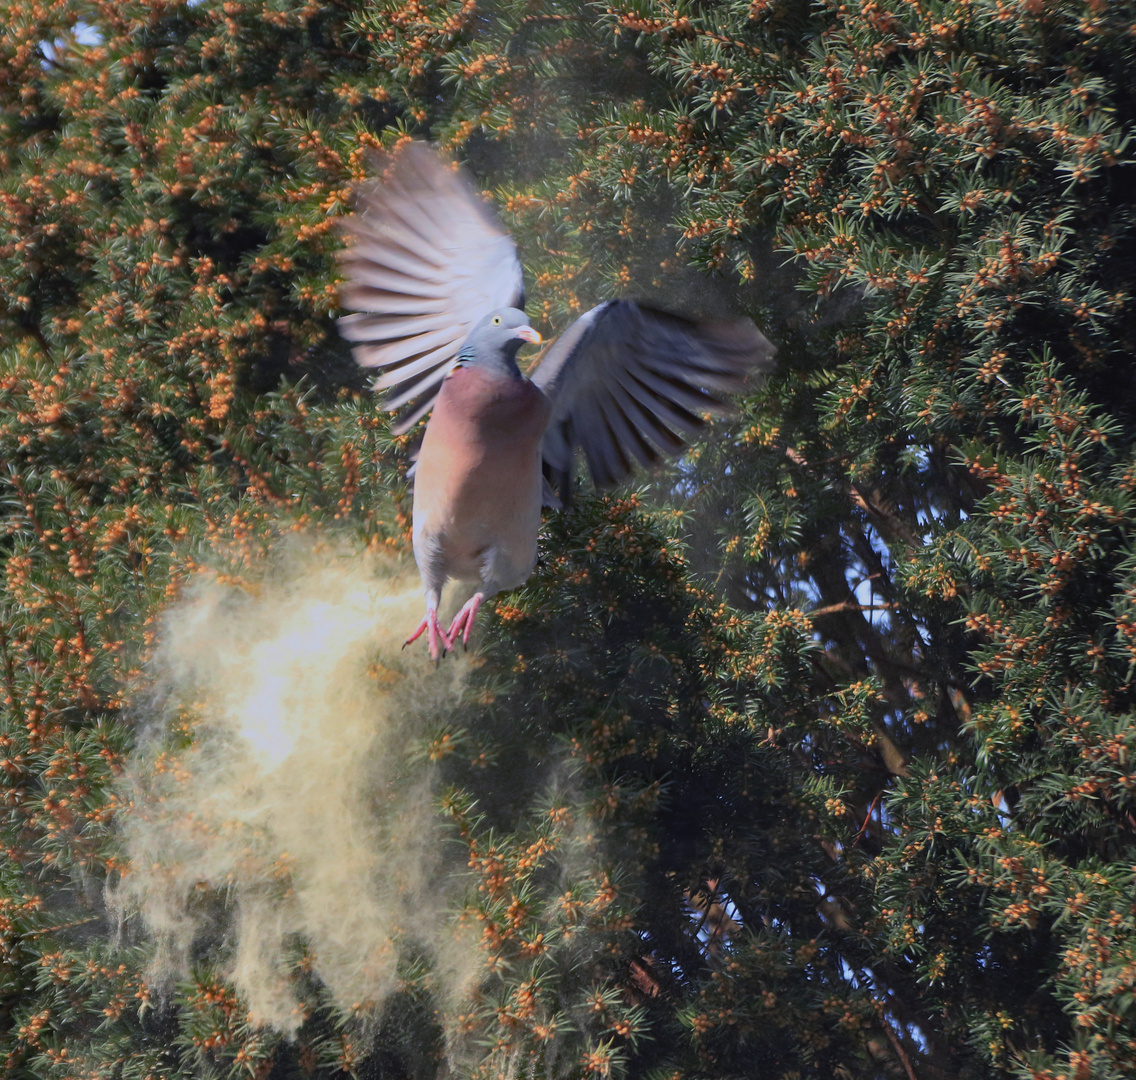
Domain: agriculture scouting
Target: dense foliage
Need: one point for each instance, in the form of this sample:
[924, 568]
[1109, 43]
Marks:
[813, 759]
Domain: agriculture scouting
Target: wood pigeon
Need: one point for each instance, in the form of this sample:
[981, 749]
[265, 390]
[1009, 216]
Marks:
[438, 295]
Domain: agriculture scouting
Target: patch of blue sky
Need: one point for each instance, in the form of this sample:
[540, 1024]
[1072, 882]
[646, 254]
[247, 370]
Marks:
[83, 33]
[871, 603]
[708, 924]
[865, 979]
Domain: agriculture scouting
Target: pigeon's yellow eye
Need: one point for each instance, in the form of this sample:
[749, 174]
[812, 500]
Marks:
[496, 320]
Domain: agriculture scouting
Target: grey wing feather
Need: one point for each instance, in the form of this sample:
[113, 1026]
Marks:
[629, 383]
[427, 259]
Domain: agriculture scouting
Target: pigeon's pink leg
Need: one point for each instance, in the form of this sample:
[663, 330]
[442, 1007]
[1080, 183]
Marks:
[463, 620]
[429, 626]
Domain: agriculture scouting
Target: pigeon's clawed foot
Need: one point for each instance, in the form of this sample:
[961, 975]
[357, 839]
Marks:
[434, 633]
[463, 620]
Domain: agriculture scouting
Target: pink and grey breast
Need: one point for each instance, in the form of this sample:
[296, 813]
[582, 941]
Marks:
[477, 486]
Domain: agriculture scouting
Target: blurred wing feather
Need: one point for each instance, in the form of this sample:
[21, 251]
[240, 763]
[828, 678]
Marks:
[426, 260]
[629, 383]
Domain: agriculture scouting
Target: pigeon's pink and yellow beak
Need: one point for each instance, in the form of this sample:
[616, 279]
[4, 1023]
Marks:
[527, 333]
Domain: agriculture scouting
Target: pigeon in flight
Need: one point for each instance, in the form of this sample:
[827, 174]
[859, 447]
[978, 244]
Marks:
[437, 296]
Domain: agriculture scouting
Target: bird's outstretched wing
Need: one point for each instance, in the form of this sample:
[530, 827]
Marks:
[427, 260]
[629, 383]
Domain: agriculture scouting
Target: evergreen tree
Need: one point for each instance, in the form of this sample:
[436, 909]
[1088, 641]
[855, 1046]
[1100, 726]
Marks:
[811, 758]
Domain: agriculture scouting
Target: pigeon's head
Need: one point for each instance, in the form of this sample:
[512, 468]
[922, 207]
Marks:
[495, 340]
